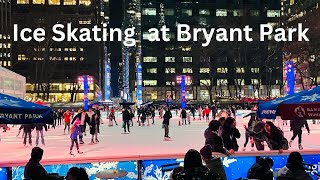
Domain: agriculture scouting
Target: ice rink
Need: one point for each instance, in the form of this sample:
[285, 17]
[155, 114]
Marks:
[142, 141]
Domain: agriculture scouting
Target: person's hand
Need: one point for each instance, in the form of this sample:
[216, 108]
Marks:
[308, 132]
[280, 151]
[231, 151]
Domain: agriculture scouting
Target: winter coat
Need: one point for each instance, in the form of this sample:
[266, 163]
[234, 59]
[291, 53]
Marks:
[183, 113]
[166, 117]
[86, 119]
[39, 127]
[229, 137]
[75, 131]
[27, 127]
[214, 140]
[35, 171]
[300, 174]
[126, 116]
[260, 170]
[296, 125]
[94, 124]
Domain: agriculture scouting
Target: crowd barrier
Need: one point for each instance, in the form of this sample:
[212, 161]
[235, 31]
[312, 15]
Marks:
[149, 167]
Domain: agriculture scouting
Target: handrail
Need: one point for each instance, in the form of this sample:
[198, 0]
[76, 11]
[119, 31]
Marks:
[77, 160]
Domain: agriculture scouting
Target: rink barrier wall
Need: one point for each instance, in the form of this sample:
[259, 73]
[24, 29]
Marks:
[76, 160]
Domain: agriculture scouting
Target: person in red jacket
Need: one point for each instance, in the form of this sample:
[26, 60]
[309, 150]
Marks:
[207, 112]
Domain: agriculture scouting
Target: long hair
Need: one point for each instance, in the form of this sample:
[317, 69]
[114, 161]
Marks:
[274, 129]
[192, 159]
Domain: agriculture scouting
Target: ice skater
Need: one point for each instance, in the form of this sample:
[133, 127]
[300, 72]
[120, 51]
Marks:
[94, 127]
[166, 119]
[296, 127]
[75, 132]
[252, 122]
[67, 117]
[39, 130]
[200, 112]
[183, 116]
[27, 129]
[126, 116]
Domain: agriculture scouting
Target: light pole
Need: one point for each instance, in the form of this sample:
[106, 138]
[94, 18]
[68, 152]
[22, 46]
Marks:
[183, 81]
[290, 76]
[85, 80]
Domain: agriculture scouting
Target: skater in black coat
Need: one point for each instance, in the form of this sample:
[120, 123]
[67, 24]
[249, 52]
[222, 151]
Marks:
[126, 116]
[296, 127]
[94, 127]
[27, 128]
[166, 119]
[230, 134]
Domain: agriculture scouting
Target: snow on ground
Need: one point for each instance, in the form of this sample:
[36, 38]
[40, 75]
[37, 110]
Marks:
[147, 140]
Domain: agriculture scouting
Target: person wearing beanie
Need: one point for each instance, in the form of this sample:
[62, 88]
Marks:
[213, 163]
[294, 168]
[34, 170]
[75, 132]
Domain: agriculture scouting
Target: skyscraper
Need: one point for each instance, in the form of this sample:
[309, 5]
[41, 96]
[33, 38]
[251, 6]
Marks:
[52, 68]
[221, 70]
[5, 29]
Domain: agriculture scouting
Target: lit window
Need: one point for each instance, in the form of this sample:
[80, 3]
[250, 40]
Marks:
[85, 2]
[85, 21]
[240, 70]
[9, 63]
[149, 11]
[255, 70]
[254, 81]
[205, 12]
[169, 12]
[81, 49]
[81, 58]
[187, 59]
[205, 82]
[278, 82]
[22, 57]
[8, 54]
[254, 13]
[149, 59]
[0, 63]
[4, 63]
[221, 12]
[238, 13]
[69, 2]
[54, 2]
[239, 82]
[273, 13]
[170, 70]
[152, 70]
[222, 82]
[150, 82]
[170, 59]
[0, 45]
[66, 58]
[204, 70]
[186, 49]
[22, 1]
[222, 70]
[187, 12]
[187, 70]
[0, 36]
[73, 49]
[38, 1]
[66, 49]
[170, 83]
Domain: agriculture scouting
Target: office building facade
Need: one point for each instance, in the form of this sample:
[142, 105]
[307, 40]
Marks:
[52, 68]
[221, 70]
[5, 29]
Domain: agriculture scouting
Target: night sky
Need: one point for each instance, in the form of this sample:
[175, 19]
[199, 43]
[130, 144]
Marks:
[115, 47]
